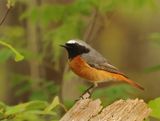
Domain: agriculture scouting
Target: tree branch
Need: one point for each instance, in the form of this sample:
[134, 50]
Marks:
[121, 110]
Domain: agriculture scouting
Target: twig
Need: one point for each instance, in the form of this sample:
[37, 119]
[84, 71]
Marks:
[5, 16]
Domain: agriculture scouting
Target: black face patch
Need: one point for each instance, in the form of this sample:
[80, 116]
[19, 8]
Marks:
[74, 49]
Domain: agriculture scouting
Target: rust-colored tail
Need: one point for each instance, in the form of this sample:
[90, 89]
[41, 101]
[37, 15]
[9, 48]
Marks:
[127, 80]
[133, 83]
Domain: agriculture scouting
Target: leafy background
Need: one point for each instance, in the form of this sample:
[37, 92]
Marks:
[34, 68]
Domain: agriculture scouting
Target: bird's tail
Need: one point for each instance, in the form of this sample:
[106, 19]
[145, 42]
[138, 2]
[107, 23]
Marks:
[133, 83]
[127, 80]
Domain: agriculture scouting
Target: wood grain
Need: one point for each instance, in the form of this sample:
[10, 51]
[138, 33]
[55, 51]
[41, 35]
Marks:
[121, 110]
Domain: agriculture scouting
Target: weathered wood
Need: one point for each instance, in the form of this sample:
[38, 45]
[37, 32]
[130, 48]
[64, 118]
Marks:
[121, 110]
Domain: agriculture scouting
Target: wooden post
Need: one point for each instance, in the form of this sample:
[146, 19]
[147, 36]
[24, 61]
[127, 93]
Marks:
[121, 110]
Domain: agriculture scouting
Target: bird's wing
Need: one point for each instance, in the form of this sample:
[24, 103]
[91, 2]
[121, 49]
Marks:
[107, 67]
[96, 60]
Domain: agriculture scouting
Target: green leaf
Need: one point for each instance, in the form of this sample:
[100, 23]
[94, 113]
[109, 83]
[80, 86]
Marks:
[18, 56]
[155, 106]
[33, 105]
[15, 109]
[54, 103]
[10, 3]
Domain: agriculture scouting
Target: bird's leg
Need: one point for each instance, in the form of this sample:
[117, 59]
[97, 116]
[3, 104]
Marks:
[88, 91]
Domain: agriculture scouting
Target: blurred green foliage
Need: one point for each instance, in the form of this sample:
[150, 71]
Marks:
[112, 93]
[71, 17]
[30, 111]
[24, 84]
[155, 106]
[115, 92]
[58, 23]
[155, 38]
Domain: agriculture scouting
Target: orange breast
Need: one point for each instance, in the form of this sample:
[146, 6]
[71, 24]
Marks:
[81, 68]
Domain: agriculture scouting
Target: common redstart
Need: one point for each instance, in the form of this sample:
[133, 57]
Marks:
[91, 65]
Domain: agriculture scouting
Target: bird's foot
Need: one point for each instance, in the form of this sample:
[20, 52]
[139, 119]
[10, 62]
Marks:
[87, 94]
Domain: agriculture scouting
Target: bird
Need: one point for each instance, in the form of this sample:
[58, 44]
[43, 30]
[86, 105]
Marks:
[89, 64]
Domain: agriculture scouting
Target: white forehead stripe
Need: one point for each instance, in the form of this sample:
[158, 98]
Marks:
[76, 42]
[72, 41]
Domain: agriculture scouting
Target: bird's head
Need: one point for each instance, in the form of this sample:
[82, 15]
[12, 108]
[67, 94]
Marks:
[75, 48]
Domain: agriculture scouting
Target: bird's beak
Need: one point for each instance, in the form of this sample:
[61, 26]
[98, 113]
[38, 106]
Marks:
[64, 46]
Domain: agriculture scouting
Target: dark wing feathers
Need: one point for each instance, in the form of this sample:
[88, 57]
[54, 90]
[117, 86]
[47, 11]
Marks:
[107, 67]
[96, 60]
